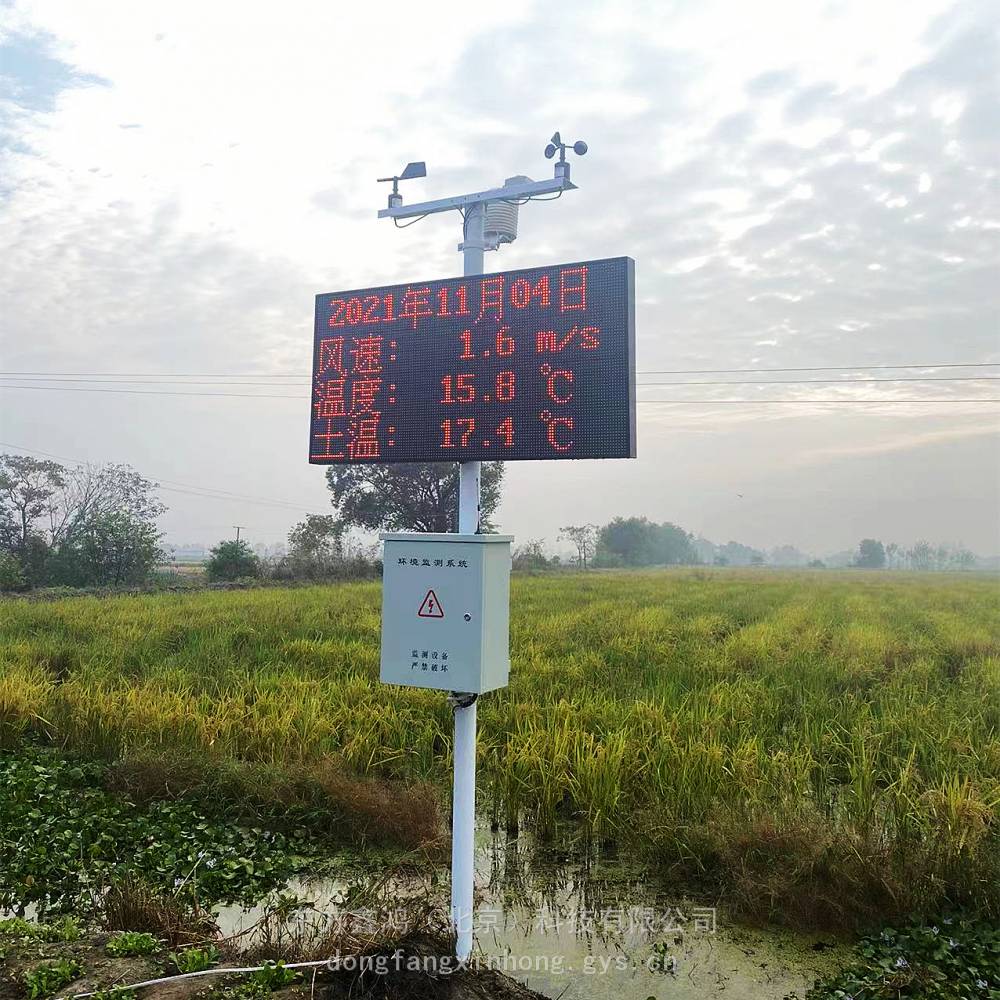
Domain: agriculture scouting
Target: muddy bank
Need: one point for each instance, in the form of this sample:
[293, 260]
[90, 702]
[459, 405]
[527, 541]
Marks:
[417, 968]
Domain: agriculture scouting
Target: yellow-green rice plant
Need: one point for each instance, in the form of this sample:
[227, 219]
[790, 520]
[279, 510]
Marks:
[958, 817]
[598, 769]
[24, 702]
[661, 706]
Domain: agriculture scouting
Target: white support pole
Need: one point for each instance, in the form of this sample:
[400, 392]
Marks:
[468, 497]
[473, 245]
[463, 843]
[463, 816]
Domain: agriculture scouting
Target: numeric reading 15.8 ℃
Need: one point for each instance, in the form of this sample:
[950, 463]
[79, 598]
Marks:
[516, 365]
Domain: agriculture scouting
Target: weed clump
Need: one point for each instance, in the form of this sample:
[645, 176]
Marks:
[64, 929]
[323, 796]
[131, 906]
[275, 976]
[129, 944]
[193, 959]
[47, 979]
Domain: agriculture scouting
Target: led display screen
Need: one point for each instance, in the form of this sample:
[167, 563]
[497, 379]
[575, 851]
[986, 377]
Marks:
[514, 365]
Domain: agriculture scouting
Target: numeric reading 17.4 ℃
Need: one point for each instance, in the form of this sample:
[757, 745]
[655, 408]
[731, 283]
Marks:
[515, 365]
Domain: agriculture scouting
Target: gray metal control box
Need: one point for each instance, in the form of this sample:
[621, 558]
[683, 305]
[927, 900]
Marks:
[446, 611]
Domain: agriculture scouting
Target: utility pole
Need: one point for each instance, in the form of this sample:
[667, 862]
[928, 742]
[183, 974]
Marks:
[477, 237]
[238, 528]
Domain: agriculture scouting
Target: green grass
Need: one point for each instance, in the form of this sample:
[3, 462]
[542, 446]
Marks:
[194, 959]
[51, 977]
[127, 944]
[64, 929]
[820, 746]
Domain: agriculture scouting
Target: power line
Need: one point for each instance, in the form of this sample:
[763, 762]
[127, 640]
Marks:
[812, 401]
[794, 381]
[165, 375]
[190, 489]
[815, 402]
[160, 375]
[664, 371]
[821, 368]
[227, 380]
[833, 381]
[207, 493]
[830, 383]
[157, 392]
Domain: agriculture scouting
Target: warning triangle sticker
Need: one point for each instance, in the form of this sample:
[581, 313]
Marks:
[431, 607]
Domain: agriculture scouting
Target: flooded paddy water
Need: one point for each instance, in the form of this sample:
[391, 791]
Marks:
[571, 924]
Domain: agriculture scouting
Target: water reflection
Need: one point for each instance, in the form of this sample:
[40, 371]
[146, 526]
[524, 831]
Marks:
[582, 923]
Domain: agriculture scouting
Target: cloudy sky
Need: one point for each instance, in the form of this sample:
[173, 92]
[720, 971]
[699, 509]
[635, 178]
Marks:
[802, 185]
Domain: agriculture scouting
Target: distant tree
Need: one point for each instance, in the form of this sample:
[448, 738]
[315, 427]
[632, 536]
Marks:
[409, 496]
[871, 554]
[788, 555]
[673, 545]
[637, 541]
[116, 547]
[757, 559]
[315, 545]
[320, 548]
[963, 559]
[28, 491]
[817, 564]
[232, 560]
[704, 550]
[921, 556]
[627, 541]
[82, 526]
[103, 529]
[12, 577]
[531, 557]
[35, 559]
[9, 533]
[584, 537]
[737, 554]
[891, 555]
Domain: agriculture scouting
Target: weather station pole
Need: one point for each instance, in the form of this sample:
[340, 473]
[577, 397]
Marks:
[482, 230]
[463, 807]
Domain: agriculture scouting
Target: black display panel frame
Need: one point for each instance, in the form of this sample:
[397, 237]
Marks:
[523, 365]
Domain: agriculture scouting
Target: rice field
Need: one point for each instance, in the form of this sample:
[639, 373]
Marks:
[816, 747]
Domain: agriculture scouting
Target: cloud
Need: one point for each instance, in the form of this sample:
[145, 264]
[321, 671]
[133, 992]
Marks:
[904, 441]
[179, 183]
